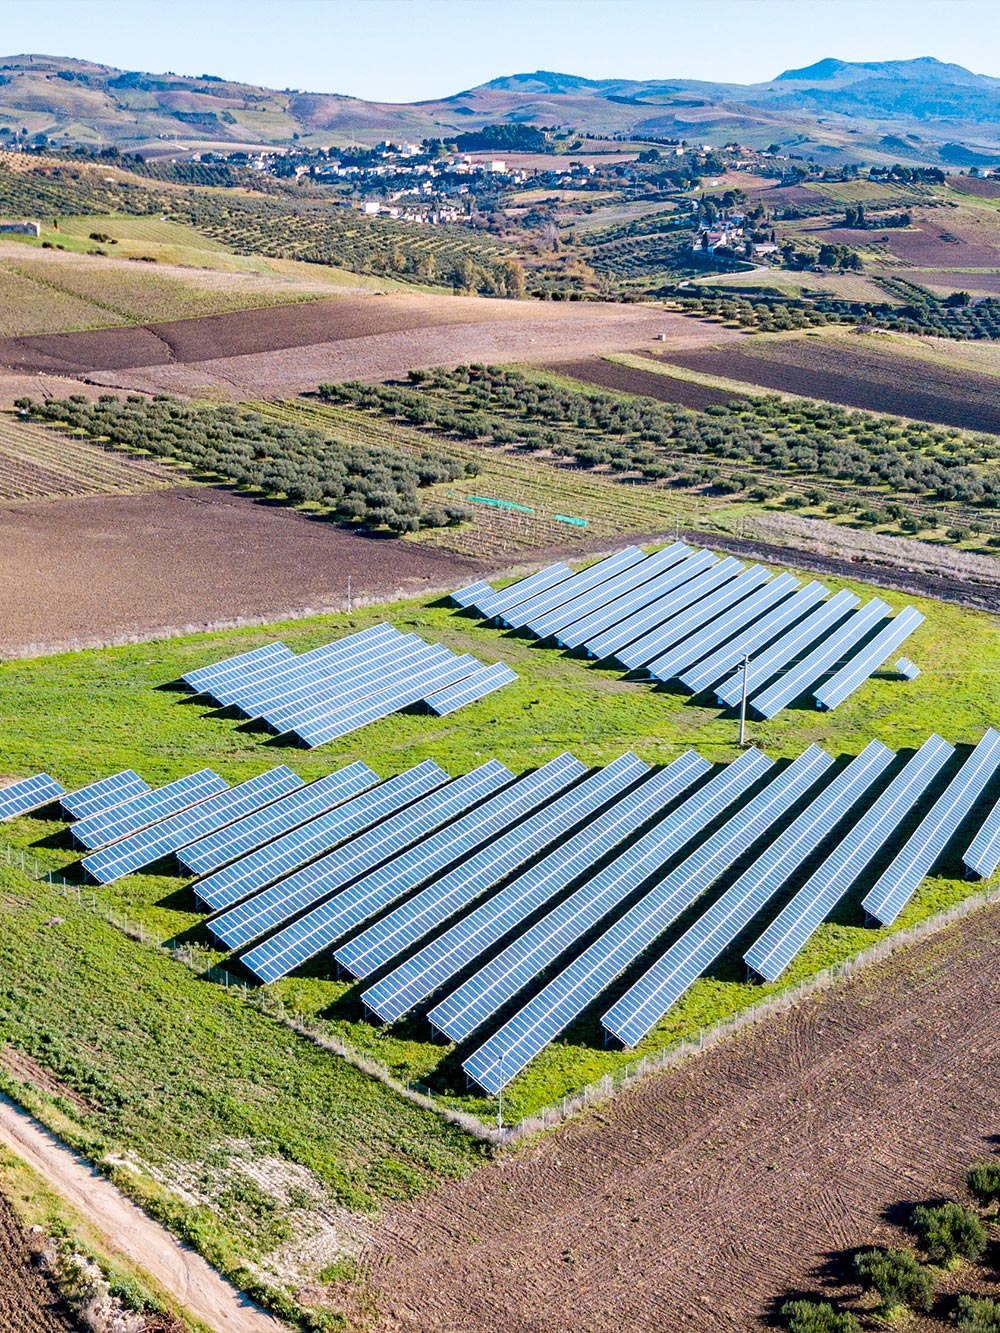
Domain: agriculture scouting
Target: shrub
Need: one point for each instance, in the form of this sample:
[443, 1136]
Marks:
[977, 1315]
[897, 1277]
[817, 1317]
[984, 1177]
[948, 1232]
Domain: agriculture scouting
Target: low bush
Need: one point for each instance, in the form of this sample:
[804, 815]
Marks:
[948, 1232]
[977, 1315]
[897, 1277]
[984, 1178]
[806, 1316]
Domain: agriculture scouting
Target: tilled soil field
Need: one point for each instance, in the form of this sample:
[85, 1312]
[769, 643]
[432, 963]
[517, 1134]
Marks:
[107, 568]
[27, 1303]
[698, 1199]
[667, 388]
[868, 375]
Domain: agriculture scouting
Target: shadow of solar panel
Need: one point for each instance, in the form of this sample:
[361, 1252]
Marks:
[107, 826]
[633, 627]
[771, 953]
[149, 845]
[582, 632]
[443, 957]
[569, 993]
[318, 880]
[492, 607]
[324, 679]
[656, 643]
[294, 849]
[29, 794]
[566, 590]
[923, 848]
[103, 794]
[459, 1014]
[798, 678]
[202, 678]
[855, 672]
[658, 989]
[281, 817]
[477, 686]
[285, 951]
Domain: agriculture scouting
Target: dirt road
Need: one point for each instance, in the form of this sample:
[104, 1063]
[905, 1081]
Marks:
[192, 1282]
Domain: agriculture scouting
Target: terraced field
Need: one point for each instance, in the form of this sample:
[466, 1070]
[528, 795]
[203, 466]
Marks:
[39, 464]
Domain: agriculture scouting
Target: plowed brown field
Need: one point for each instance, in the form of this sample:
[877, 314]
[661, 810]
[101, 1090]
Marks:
[27, 1303]
[696, 1199]
[667, 388]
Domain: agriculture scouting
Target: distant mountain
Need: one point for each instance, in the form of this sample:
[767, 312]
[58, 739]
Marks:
[833, 110]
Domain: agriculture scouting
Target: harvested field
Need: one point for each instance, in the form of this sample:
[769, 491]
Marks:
[943, 282]
[106, 568]
[858, 373]
[27, 1303]
[37, 463]
[697, 1199]
[983, 187]
[667, 388]
[945, 241]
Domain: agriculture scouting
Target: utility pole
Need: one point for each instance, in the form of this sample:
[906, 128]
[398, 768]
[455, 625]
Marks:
[348, 594]
[743, 701]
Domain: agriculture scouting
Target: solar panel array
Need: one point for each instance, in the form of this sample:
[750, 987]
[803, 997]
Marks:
[907, 669]
[29, 794]
[102, 794]
[687, 616]
[129, 816]
[330, 691]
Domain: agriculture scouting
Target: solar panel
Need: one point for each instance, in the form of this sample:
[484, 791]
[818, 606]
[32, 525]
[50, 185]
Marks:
[983, 854]
[769, 662]
[289, 813]
[608, 643]
[835, 690]
[528, 954]
[277, 858]
[923, 848]
[443, 957]
[522, 591]
[129, 816]
[769, 955]
[518, 616]
[295, 944]
[201, 677]
[29, 794]
[646, 1002]
[309, 673]
[614, 613]
[716, 667]
[657, 641]
[103, 794]
[697, 645]
[793, 682]
[318, 880]
[249, 674]
[907, 669]
[477, 686]
[636, 575]
[149, 845]
[569, 993]
[466, 597]
[458, 887]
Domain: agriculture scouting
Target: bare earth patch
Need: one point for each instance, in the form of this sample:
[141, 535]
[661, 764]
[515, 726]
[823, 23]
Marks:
[27, 1303]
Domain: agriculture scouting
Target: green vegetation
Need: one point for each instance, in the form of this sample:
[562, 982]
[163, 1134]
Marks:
[984, 1181]
[948, 1232]
[897, 1277]
[977, 1315]
[806, 1316]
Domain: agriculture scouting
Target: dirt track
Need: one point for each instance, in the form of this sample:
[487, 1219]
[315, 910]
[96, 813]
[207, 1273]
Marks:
[185, 1275]
[698, 1198]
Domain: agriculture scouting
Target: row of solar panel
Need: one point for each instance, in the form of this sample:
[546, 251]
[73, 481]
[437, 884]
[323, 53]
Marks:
[338, 687]
[687, 616]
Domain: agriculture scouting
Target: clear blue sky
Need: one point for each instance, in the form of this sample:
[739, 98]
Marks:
[404, 50]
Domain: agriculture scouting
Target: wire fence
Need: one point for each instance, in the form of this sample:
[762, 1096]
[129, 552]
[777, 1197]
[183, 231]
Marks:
[260, 998]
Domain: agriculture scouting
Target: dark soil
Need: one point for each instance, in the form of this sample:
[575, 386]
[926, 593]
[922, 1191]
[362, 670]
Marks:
[667, 388]
[28, 1304]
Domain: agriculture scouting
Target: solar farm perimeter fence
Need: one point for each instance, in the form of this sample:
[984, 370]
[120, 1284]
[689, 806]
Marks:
[668, 1057]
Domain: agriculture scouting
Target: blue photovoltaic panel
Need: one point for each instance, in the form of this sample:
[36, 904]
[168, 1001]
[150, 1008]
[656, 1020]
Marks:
[151, 844]
[466, 597]
[318, 880]
[835, 690]
[149, 806]
[477, 686]
[262, 681]
[713, 669]
[100, 795]
[657, 641]
[702, 641]
[983, 855]
[609, 643]
[522, 591]
[29, 794]
[289, 813]
[769, 955]
[325, 924]
[923, 848]
[203, 677]
[646, 1002]
[528, 954]
[606, 617]
[294, 849]
[773, 658]
[458, 887]
[569, 993]
[594, 575]
[597, 602]
[438, 961]
[329, 669]
[907, 668]
[797, 679]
